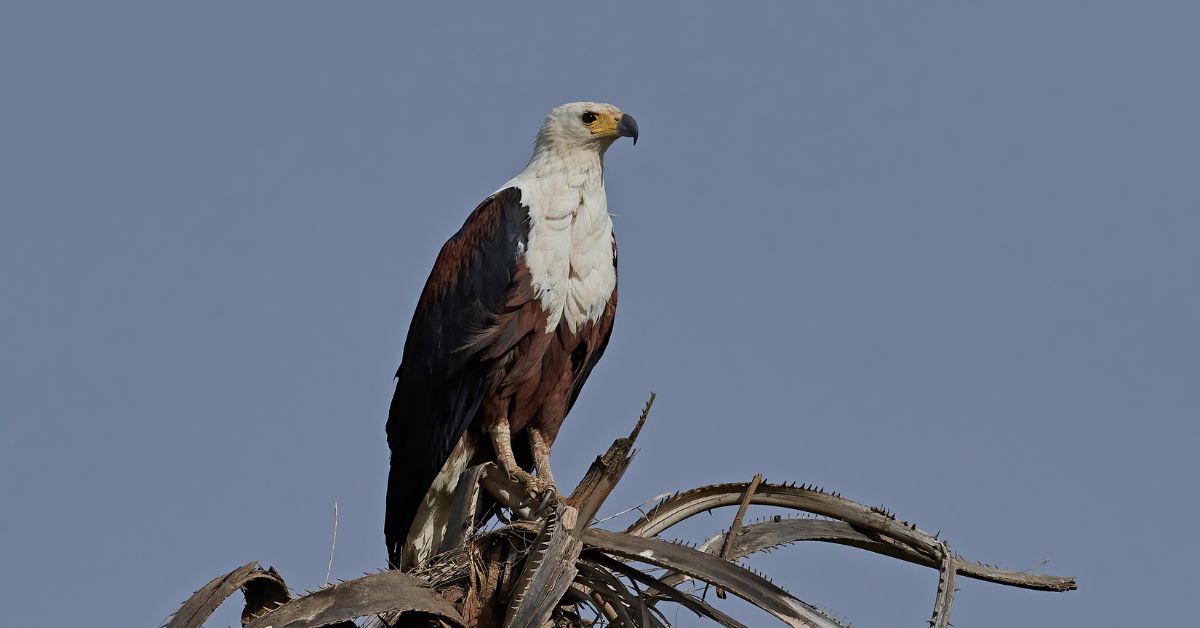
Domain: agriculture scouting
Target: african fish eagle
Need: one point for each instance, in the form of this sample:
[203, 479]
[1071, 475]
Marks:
[515, 314]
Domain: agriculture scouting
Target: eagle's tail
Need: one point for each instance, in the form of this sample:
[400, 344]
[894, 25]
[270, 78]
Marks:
[412, 543]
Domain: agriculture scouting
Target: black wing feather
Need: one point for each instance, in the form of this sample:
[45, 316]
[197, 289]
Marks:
[440, 383]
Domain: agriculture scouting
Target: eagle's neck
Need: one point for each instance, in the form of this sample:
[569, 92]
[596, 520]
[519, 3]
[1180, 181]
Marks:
[569, 251]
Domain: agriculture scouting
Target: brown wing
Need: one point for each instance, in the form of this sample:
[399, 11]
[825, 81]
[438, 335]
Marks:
[442, 379]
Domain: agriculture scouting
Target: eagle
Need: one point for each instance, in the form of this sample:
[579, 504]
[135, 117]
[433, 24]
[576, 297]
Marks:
[515, 314]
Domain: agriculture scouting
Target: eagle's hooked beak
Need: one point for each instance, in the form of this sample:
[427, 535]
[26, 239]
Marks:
[627, 127]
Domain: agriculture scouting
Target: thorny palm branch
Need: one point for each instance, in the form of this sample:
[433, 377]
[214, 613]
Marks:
[556, 569]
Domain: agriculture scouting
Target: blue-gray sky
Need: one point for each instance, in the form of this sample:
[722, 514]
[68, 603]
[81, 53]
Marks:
[936, 255]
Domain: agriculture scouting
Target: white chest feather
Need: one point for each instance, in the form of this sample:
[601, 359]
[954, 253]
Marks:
[570, 247]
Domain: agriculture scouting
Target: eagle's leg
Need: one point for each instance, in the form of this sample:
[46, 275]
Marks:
[541, 455]
[501, 435]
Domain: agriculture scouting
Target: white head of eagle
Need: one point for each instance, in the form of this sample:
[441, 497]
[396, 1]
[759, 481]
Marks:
[583, 126]
[515, 314]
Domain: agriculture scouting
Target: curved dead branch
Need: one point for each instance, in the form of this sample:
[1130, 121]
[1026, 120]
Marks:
[869, 528]
[680, 506]
[740, 581]
[620, 603]
[387, 592]
[773, 533]
[661, 588]
[264, 589]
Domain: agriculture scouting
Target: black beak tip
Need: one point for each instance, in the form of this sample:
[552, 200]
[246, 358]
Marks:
[627, 127]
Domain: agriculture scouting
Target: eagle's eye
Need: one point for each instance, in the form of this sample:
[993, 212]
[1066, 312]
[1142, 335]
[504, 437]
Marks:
[588, 118]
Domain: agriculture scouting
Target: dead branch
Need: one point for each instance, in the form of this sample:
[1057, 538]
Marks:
[733, 577]
[550, 568]
[550, 565]
[602, 477]
[264, 590]
[374, 594]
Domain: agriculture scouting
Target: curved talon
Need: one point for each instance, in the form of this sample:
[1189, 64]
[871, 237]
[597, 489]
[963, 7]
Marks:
[536, 487]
